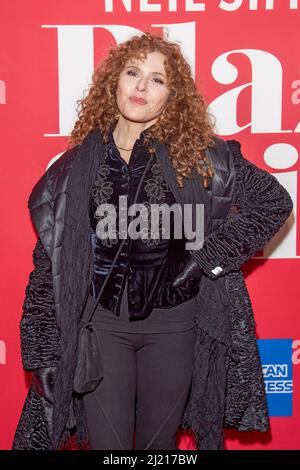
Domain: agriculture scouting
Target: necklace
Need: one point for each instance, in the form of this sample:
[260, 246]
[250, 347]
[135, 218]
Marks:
[127, 150]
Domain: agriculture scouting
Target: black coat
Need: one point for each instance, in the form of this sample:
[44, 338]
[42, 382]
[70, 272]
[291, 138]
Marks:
[244, 208]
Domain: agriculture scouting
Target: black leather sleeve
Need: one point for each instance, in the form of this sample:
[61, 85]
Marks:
[38, 327]
[259, 208]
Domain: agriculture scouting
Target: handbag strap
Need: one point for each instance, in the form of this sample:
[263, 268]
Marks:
[91, 306]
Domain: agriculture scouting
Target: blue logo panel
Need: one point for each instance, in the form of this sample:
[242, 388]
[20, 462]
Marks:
[276, 359]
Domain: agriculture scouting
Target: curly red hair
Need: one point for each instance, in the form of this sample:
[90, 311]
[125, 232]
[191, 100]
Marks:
[185, 125]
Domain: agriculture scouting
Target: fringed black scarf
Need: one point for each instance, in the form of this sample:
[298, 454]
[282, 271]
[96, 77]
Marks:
[75, 279]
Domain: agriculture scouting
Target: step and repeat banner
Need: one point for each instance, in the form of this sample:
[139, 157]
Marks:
[245, 58]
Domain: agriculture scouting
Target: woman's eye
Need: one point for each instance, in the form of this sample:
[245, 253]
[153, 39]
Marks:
[156, 80]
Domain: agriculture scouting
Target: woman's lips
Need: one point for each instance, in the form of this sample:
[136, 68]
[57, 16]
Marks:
[137, 100]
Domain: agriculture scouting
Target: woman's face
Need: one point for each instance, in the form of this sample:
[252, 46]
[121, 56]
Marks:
[142, 92]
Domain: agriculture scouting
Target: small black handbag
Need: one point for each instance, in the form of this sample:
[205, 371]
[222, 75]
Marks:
[89, 370]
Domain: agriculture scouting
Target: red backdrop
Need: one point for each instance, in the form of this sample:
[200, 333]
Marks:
[245, 58]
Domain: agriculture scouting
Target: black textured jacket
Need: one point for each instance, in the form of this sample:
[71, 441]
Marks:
[244, 208]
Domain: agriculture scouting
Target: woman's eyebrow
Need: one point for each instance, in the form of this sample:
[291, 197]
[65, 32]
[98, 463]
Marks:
[134, 66]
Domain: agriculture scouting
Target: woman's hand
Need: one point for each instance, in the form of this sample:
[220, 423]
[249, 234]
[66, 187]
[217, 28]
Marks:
[43, 379]
[191, 270]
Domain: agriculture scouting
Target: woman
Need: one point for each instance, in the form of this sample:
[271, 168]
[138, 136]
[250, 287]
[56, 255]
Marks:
[175, 325]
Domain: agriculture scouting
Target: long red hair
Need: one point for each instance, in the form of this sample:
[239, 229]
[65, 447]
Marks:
[185, 124]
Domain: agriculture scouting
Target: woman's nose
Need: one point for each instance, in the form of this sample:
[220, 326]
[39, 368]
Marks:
[141, 84]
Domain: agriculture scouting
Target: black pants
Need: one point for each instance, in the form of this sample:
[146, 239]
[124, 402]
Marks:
[147, 378]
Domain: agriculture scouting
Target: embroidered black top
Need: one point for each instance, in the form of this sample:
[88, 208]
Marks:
[141, 263]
